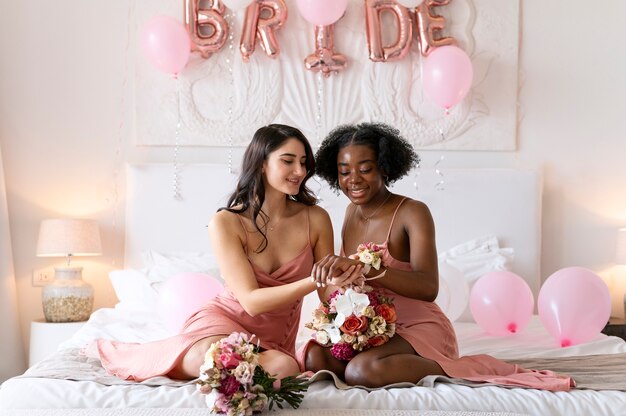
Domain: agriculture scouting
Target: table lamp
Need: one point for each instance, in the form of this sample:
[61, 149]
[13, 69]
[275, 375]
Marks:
[620, 259]
[68, 298]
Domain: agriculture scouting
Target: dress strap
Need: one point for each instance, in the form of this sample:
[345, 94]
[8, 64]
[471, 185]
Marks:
[394, 218]
[245, 233]
[308, 225]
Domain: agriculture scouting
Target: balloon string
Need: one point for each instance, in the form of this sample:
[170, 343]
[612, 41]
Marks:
[318, 117]
[231, 97]
[176, 181]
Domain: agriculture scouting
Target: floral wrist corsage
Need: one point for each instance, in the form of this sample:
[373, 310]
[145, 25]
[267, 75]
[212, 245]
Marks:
[370, 254]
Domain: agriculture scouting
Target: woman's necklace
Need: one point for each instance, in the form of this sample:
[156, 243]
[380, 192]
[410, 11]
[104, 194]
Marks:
[369, 217]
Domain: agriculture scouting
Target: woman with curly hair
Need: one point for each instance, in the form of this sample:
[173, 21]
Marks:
[362, 161]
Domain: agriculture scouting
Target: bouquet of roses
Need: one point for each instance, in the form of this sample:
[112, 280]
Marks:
[354, 321]
[237, 385]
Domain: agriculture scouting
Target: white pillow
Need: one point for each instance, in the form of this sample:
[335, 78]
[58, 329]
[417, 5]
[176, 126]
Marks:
[134, 291]
[474, 259]
[159, 267]
[453, 294]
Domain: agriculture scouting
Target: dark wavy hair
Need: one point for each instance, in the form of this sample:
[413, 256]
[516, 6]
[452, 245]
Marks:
[250, 191]
[394, 154]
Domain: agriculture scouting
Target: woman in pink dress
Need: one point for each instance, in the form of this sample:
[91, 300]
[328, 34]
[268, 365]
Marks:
[266, 241]
[362, 161]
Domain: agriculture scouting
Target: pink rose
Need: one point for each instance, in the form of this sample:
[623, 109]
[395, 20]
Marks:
[354, 324]
[229, 358]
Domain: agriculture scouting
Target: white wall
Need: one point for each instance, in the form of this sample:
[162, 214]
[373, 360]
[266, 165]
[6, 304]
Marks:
[63, 65]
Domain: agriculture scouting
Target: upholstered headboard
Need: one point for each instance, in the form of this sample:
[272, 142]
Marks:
[465, 203]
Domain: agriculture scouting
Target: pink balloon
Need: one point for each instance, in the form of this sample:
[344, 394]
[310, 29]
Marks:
[322, 12]
[447, 75]
[184, 294]
[501, 303]
[574, 305]
[165, 42]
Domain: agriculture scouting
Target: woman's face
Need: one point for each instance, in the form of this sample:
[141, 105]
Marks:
[284, 169]
[358, 173]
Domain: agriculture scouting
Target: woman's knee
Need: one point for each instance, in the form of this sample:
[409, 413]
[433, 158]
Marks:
[316, 358]
[364, 372]
[278, 364]
[189, 365]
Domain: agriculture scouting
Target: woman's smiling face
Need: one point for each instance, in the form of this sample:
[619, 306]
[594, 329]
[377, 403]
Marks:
[359, 177]
[285, 167]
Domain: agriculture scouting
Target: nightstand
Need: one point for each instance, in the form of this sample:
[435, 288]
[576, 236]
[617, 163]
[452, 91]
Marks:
[45, 337]
[616, 327]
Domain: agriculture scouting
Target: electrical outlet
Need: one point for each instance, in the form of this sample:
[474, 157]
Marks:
[42, 277]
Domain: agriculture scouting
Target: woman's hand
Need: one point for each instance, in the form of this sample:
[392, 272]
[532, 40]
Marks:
[336, 271]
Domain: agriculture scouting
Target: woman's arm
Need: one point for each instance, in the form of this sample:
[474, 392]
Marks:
[228, 241]
[423, 281]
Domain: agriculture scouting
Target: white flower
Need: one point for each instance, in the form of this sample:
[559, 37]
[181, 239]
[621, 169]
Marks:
[244, 372]
[366, 257]
[376, 263]
[322, 337]
[333, 331]
[350, 303]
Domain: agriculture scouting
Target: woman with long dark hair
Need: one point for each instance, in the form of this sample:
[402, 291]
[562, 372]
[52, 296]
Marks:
[266, 241]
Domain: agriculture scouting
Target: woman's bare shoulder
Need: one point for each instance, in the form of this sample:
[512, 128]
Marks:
[223, 219]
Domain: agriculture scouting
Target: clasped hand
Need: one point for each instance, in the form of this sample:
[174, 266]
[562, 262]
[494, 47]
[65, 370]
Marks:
[337, 271]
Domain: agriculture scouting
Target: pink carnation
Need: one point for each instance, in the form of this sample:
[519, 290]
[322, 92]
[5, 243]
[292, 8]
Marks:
[373, 297]
[229, 386]
[343, 351]
[333, 295]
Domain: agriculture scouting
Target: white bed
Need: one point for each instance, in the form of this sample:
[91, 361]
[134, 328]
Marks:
[505, 204]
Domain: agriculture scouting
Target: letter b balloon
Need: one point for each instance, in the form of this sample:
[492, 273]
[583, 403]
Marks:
[574, 305]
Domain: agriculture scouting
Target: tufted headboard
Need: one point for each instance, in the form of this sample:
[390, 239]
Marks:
[465, 203]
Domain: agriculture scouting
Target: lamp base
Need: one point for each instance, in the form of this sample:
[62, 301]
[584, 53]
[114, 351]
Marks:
[68, 298]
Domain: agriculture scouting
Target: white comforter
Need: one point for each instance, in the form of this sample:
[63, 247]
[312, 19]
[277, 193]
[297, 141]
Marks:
[33, 392]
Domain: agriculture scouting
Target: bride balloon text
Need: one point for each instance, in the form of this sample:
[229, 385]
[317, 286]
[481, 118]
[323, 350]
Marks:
[447, 76]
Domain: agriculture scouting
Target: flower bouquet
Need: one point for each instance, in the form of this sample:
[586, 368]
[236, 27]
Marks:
[353, 321]
[235, 383]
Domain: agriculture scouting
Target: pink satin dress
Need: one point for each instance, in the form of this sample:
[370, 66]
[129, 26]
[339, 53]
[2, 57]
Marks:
[432, 336]
[223, 315]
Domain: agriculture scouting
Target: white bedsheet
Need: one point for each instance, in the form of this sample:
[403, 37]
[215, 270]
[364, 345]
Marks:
[532, 342]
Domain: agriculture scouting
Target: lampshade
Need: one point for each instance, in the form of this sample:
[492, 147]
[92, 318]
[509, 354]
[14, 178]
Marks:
[620, 254]
[63, 237]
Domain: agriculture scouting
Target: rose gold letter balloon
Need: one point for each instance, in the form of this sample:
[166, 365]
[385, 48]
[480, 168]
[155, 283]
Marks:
[206, 25]
[248, 32]
[429, 24]
[325, 59]
[257, 25]
[267, 27]
[373, 24]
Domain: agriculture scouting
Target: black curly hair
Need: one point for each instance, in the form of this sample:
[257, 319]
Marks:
[394, 153]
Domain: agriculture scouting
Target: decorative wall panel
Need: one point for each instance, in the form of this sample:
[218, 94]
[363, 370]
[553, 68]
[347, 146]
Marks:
[221, 101]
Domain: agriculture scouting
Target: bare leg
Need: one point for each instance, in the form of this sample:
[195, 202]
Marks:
[278, 364]
[319, 358]
[393, 362]
[189, 367]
